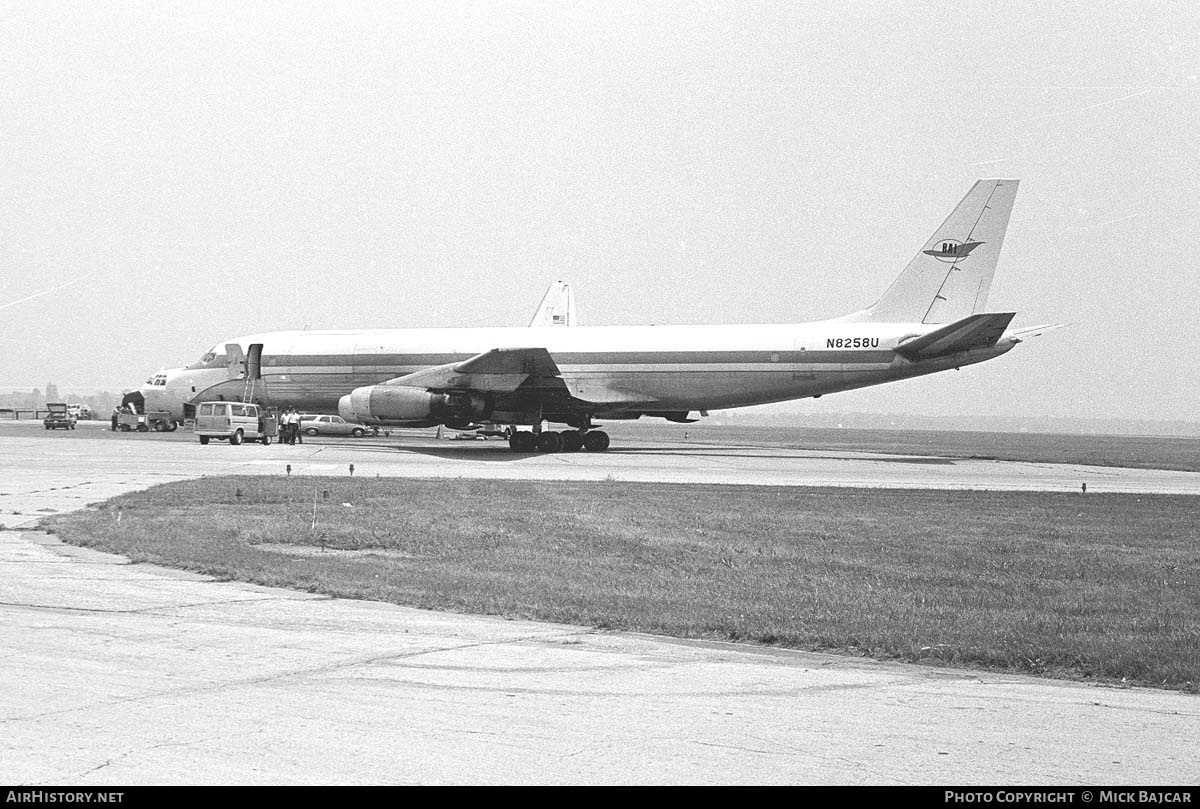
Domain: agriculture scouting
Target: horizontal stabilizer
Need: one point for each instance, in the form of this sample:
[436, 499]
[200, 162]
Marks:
[975, 331]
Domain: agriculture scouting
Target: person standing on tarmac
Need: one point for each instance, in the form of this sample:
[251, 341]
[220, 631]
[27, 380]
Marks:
[293, 422]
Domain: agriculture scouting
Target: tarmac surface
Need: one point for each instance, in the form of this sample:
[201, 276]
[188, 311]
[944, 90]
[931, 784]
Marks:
[123, 674]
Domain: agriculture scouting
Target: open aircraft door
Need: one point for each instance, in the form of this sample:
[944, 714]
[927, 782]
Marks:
[256, 387]
[247, 366]
[254, 362]
[235, 361]
[244, 366]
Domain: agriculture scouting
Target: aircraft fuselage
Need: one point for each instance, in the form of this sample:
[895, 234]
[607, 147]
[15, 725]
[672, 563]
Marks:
[655, 368]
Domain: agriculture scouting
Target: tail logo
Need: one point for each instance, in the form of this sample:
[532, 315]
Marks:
[951, 250]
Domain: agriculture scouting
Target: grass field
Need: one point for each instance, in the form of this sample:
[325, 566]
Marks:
[1098, 586]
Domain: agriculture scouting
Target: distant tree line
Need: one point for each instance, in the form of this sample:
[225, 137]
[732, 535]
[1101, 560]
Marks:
[101, 402]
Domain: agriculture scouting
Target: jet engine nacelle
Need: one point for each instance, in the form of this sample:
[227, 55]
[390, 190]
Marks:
[402, 404]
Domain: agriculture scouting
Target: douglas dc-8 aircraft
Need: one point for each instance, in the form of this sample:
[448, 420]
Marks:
[931, 319]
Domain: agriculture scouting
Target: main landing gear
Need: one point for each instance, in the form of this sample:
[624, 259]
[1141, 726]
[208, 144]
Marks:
[566, 441]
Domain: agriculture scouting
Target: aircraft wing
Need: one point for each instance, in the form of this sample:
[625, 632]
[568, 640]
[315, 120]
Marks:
[973, 331]
[511, 361]
[601, 392]
[504, 370]
[501, 370]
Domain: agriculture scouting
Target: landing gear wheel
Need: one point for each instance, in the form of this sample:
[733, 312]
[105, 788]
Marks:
[521, 441]
[596, 441]
[572, 441]
[550, 442]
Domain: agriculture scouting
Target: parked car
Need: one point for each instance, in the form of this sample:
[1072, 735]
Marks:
[80, 411]
[330, 425]
[58, 417]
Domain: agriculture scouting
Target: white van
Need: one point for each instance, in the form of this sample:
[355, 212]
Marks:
[234, 422]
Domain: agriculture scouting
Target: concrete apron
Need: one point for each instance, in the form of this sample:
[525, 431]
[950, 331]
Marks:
[124, 674]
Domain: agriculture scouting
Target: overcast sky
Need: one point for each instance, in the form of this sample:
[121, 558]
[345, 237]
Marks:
[195, 171]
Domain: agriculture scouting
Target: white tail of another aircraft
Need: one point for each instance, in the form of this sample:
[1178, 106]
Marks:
[951, 274]
[557, 307]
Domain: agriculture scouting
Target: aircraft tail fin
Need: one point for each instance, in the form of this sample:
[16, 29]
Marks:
[951, 274]
[557, 307]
